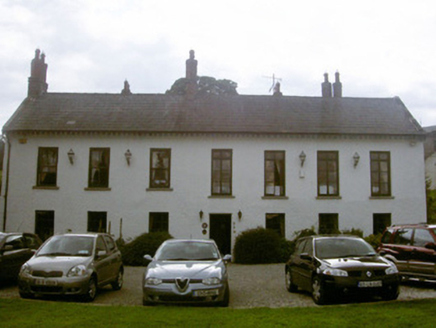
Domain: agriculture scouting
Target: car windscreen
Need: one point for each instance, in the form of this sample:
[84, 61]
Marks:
[68, 246]
[329, 248]
[187, 251]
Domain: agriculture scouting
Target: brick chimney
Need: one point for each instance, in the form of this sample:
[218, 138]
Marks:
[38, 75]
[191, 74]
[337, 87]
[326, 87]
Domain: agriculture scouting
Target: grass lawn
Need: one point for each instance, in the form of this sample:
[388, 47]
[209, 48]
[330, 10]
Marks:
[29, 313]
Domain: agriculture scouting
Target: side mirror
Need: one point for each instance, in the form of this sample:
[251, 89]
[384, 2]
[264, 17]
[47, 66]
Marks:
[430, 246]
[148, 258]
[306, 256]
[227, 258]
[101, 253]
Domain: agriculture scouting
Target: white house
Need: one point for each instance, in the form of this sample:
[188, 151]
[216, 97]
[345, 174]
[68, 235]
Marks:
[209, 165]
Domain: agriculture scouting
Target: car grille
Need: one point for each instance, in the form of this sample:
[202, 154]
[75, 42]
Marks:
[191, 281]
[362, 273]
[46, 289]
[47, 274]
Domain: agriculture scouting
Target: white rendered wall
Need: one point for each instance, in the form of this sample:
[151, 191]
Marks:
[191, 183]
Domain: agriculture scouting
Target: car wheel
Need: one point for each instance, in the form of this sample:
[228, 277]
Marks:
[391, 293]
[290, 286]
[318, 292]
[226, 300]
[118, 283]
[91, 290]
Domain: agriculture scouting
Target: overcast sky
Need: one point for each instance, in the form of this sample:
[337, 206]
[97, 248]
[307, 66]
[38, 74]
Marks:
[381, 48]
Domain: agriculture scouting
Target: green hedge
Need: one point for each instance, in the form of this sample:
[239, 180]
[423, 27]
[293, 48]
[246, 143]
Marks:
[147, 243]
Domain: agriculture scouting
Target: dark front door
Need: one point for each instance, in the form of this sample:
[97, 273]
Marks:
[221, 231]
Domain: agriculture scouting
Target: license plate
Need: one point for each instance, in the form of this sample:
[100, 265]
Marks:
[44, 282]
[364, 284]
[205, 293]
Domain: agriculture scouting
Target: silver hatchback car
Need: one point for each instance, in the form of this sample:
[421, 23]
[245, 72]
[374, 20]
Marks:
[186, 271]
[72, 264]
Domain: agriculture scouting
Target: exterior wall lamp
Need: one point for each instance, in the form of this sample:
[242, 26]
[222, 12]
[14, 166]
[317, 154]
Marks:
[71, 156]
[356, 158]
[240, 215]
[201, 215]
[302, 158]
[128, 155]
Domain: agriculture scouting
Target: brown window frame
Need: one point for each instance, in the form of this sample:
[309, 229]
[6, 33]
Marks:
[377, 173]
[279, 180]
[47, 172]
[102, 168]
[324, 160]
[154, 170]
[219, 157]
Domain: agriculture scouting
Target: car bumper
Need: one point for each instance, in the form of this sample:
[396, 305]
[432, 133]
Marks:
[195, 294]
[348, 285]
[53, 286]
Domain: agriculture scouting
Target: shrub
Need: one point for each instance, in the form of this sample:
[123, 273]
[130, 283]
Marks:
[147, 243]
[374, 240]
[259, 246]
[354, 232]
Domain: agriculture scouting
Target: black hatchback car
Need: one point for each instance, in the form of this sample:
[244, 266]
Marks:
[15, 249]
[333, 265]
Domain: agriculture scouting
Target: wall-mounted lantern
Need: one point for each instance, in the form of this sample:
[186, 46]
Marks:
[240, 215]
[128, 155]
[201, 214]
[302, 158]
[356, 158]
[71, 156]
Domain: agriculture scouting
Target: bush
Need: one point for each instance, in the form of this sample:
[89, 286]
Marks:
[354, 232]
[373, 240]
[259, 246]
[147, 243]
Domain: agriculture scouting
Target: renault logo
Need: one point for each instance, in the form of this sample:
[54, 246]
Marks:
[368, 274]
[182, 284]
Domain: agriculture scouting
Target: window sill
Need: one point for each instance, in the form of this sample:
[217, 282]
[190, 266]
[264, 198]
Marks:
[159, 189]
[46, 187]
[381, 197]
[97, 189]
[275, 197]
[221, 196]
[328, 197]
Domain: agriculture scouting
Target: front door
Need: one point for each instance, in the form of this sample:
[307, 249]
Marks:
[221, 232]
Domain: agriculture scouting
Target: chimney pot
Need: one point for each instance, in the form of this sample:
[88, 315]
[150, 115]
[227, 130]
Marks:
[326, 87]
[337, 87]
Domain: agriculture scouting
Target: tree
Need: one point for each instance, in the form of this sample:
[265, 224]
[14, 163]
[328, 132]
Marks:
[204, 85]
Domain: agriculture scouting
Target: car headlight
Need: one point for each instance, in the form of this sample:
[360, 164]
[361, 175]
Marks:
[77, 271]
[392, 269]
[335, 272]
[25, 269]
[212, 281]
[153, 281]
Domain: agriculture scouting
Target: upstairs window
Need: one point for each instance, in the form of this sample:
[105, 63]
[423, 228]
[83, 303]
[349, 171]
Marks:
[274, 173]
[328, 173]
[380, 173]
[99, 168]
[160, 168]
[221, 172]
[47, 167]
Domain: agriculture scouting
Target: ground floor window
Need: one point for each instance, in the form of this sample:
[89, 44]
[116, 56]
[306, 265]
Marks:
[158, 221]
[276, 222]
[44, 224]
[380, 222]
[97, 221]
[328, 223]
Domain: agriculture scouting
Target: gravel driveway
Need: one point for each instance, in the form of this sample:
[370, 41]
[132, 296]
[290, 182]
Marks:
[250, 285]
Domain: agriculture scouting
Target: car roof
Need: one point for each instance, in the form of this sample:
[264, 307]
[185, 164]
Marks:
[86, 234]
[176, 240]
[413, 225]
[331, 237]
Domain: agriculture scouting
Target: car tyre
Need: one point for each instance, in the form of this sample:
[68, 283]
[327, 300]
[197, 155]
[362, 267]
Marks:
[118, 283]
[318, 291]
[226, 300]
[91, 291]
[290, 286]
[391, 294]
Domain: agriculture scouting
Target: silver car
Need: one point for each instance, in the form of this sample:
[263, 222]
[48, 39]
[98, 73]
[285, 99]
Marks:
[187, 271]
[72, 264]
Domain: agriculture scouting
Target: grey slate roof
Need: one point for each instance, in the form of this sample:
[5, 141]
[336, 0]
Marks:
[148, 113]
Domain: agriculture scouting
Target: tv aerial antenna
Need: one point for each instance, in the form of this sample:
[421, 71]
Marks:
[274, 81]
